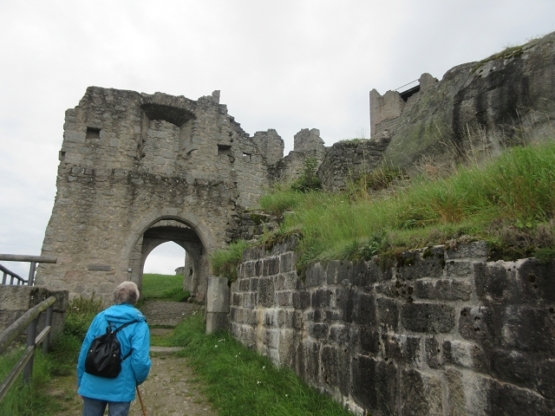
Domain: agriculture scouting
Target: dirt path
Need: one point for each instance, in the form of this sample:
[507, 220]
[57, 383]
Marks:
[171, 390]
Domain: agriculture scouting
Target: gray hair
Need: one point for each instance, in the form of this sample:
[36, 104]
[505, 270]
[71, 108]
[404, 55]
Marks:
[126, 292]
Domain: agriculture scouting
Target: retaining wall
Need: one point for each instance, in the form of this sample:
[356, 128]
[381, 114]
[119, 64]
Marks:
[440, 332]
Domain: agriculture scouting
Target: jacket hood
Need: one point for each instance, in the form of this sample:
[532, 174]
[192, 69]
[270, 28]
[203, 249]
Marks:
[121, 314]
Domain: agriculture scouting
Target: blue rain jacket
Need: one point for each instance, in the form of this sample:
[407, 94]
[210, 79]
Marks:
[134, 369]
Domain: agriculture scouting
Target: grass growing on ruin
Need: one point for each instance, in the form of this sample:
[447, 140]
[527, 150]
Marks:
[224, 261]
[509, 202]
[240, 382]
[164, 287]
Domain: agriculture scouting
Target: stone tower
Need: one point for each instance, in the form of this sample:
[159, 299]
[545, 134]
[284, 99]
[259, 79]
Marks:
[138, 170]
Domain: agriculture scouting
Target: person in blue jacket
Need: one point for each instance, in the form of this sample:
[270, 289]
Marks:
[116, 393]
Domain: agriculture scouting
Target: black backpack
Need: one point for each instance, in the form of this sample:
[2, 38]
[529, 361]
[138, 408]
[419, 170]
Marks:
[104, 356]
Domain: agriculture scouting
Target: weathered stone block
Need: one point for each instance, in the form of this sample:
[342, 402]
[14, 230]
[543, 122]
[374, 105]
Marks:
[331, 272]
[459, 268]
[433, 353]
[311, 360]
[478, 323]
[369, 340]
[237, 299]
[286, 263]
[345, 273]
[387, 313]
[545, 382]
[301, 300]
[366, 313]
[270, 266]
[422, 394]
[421, 263]
[339, 334]
[495, 282]
[284, 298]
[507, 399]
[216, 321]
[244, 285]
[444, 289]
[428, 317]
[364, 274]
[249, 300]
[465, 354]
[474, 250]
[529, 329]
[335, 363]
[468, 393]
[514, 367]
[315, 275]
[321, 298]
[402, 349]
[318, 331]
[254, 284]
[217, 295]
[375, 385]
[536, 281]
[285, 318]
[266, 292]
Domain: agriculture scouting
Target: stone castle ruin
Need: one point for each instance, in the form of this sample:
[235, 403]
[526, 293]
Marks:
[138, 170]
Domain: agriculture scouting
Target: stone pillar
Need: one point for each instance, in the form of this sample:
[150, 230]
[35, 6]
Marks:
[217, 304]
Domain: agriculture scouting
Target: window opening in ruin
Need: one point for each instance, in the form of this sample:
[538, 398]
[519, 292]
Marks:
[224, 149]
[405, 95]
[93, 133]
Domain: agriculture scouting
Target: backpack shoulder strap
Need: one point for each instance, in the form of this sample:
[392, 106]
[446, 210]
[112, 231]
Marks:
[119, 329]
[124, 325]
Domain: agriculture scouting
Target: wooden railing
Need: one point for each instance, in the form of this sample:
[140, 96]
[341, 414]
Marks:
[29, 321]
[13, 277]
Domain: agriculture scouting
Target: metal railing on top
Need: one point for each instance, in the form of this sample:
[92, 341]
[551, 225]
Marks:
[29, 321]
[11, 276]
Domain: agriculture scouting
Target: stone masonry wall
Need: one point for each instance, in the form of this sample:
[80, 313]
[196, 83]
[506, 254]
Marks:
[440, 332]
[345, 161]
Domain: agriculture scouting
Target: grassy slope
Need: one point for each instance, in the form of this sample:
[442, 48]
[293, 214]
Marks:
[509, 202]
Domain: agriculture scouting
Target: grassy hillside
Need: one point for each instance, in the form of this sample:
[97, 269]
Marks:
[509, 202]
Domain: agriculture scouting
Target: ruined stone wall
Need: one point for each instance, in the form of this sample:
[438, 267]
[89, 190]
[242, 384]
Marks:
[440, 332]
[346, 161]
[307, 145]
[129, 160]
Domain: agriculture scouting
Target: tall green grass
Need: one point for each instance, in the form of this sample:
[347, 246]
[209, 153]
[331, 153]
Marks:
[241, 382]
[509, 202]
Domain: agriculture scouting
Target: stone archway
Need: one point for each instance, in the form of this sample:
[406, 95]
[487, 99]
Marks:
[183, 235]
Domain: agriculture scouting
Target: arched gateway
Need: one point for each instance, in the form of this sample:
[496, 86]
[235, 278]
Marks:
[137, 170]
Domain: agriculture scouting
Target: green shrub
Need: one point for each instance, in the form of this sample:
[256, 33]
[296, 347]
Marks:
[308, 181]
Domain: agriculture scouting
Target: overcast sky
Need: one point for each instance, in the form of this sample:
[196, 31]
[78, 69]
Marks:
[286, 65]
